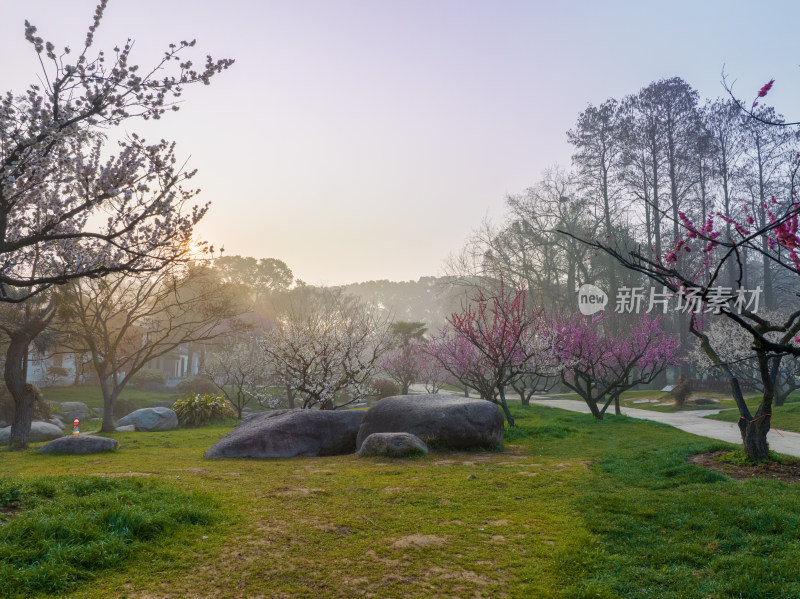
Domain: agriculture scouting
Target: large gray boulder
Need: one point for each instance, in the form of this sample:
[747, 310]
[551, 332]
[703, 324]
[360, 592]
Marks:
[443, 420]
[80, 444]
[287, 433]
[70, 410]
[40, 431]
[150, 419]
[393, 445]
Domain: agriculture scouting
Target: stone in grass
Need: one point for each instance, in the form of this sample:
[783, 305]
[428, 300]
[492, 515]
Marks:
[150, 419]
[393, 445]
[40, 431]
[440, 420]
[128, 428]
[80, 444]
[287, 433]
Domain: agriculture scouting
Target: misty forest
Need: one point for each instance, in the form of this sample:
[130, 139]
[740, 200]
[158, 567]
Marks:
[597, 396]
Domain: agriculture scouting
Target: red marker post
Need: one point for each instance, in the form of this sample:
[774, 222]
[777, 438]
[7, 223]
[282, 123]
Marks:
[76, 427]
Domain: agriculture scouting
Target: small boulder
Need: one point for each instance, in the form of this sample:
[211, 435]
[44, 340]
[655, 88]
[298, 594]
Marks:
[150, 419]
[40, 431]
[70, 410]
[394, 445]
[80, 444]
[287, 433]
[444, 420]
[128, 428]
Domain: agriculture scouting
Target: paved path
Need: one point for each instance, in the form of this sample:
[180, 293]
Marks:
[691, 422]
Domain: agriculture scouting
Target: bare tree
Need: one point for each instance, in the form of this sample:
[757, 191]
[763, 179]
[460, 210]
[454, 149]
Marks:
[125, 322]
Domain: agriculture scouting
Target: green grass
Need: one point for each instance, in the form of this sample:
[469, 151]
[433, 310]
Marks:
[63, 530]
[572, 507]
[785, 417]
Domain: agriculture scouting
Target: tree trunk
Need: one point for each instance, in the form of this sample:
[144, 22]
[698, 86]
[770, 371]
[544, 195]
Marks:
[108, 406]
[504, 405]
[290, 397]
[15, 376]
[617, 409]
[754, 436]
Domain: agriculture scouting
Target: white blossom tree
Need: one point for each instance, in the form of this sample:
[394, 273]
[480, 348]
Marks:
[326, 347]
[69, 207]
[67, 202]
[734, 347]
[239, 369]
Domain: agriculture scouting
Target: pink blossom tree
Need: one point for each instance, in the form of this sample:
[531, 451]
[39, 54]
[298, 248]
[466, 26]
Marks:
[489, 343]
[599, 365]
[402, 364]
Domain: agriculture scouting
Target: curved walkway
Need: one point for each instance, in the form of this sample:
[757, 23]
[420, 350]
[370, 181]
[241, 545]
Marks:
[690, 421]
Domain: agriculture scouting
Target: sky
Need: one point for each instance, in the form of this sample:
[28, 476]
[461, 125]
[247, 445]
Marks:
[363, 140]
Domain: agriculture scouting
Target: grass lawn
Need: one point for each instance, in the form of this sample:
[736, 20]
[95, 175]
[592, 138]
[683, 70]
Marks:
[92, 396]
[572, 507]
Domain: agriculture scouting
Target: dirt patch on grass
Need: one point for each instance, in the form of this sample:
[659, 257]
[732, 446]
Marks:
[788, 472]
[419, 541]
[120, 474]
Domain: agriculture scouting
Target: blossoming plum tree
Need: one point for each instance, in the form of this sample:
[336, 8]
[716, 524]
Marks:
[491, 342]
[599, 365]
[80, 210]
[326, 345]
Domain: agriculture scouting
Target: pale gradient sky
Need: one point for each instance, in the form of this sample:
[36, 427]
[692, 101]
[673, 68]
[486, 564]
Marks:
[360, 140]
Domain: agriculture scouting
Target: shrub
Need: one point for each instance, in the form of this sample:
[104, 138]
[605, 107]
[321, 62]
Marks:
[123, 407]
[196, 409]
[385, 388]
[41, 409]
[681, 392]
[148, 375]
[197, 384]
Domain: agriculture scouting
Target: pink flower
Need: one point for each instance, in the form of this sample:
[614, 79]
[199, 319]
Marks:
[765, 89]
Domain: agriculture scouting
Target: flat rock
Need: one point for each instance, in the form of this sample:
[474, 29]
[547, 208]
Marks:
[395, 445]
[80, 444]
[287, 433]
[443, 420]
[40, 431]
[128, 428]
[150, 419]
